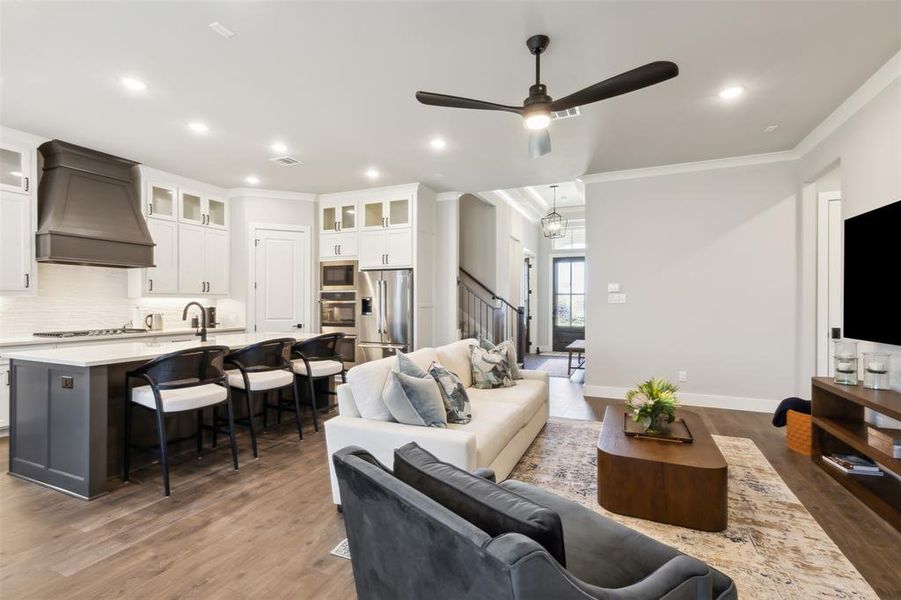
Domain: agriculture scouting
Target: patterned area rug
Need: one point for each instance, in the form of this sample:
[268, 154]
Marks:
[773, 548]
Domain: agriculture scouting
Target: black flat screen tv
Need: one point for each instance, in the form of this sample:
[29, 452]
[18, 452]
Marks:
[872, 276]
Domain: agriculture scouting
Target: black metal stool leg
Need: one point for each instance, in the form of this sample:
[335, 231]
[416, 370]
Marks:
[313, 404]
[267, 398]
[216, 422]
[127, 446]
[231, 429]
[164, 450]
[253, 434]
[199, 432]
[279, 409]
[297, 409]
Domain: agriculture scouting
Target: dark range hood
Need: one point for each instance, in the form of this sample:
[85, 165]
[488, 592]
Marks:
[89, 210]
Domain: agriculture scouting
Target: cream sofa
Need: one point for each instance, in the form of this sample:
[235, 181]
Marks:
[504, 420]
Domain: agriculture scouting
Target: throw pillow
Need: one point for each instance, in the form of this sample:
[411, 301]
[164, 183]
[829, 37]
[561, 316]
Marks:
[483, 503]
[490, 368]
[414, 401]
[456, 400]
[406, 366]
[510, 348]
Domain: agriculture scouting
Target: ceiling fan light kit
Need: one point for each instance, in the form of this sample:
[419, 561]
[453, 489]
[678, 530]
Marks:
[554, 225]
[537, 108]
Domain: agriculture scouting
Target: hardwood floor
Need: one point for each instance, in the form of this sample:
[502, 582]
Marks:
[266, 530]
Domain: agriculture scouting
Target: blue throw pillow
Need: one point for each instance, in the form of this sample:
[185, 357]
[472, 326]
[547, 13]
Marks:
[414, 401]
[406, 366]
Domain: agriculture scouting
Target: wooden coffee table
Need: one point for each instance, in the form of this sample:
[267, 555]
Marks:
[680, 484]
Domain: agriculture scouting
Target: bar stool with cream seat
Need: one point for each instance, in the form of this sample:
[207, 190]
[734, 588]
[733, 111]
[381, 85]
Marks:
[318, 358]
[260, 368]
[187, 380]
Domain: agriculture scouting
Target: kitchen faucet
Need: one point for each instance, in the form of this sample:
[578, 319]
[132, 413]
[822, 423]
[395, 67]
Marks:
[184, 317]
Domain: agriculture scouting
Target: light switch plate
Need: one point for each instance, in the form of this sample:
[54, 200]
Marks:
[613, 288]
[616, 298]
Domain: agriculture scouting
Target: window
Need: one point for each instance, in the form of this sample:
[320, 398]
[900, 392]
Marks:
[569, 300]
[574, 238]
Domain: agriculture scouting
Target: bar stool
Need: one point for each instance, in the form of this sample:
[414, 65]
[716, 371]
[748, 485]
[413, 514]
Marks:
[317, 358]
[262, 367]
[187, 380]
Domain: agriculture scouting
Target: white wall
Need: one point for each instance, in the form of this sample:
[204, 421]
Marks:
[478, 239]
[707, 262]
[447, 250]
[248, 207]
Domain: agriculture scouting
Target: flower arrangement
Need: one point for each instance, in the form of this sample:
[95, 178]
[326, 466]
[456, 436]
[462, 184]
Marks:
[653, 403]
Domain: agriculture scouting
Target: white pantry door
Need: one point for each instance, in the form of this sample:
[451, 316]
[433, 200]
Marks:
[282, 294]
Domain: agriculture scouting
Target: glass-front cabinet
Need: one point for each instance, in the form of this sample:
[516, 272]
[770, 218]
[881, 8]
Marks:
[216, 212]
[15, 169]
[200, 209]
[161, 202]
[385, 214]
[337, 215]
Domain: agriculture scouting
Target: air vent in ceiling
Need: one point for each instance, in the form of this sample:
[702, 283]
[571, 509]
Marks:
[565, 114]
[285, 161]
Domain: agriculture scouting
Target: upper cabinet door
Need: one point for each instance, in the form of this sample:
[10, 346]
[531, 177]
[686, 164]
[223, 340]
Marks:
[215, 261]
[15, 242]
[385, 214]
[190, 259]
[191, 207]
[335, 216]
[398, 212]
[399, 248]
[347, 215]
[163, 278]
[328, 216]
[161, 202]
[374, 215]
[216, 212]
[15, 169]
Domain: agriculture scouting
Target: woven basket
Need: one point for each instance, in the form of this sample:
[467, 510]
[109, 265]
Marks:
[799, 432]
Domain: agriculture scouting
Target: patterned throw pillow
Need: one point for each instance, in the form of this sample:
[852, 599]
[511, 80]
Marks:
[414, 401]
[456, 401]
[490, 368]
[510, 349]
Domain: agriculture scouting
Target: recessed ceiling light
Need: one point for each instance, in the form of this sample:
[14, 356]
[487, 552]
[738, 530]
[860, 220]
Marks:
[132, 84]
[222, 29]
[198, 127]
[252, 179]
[438, 143]
[771, 129]
[279, 147]
[732, 92]
[372, 173]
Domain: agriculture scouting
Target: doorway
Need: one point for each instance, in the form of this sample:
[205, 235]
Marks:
[526, 295]
[280, 288]
[829, 277]
[568, 301]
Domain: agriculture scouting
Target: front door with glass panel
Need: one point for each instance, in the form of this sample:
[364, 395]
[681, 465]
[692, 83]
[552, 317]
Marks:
[568, 301]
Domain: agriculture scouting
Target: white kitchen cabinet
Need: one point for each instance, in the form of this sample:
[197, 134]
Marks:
[4, 395]
[387, 214]
[16, 163]
[216, 212]
[161, 201]
[16, 242]
[191, 209]
[161, 280]
[386, 249]
[336, 215]
[202, 260]
[338, 245]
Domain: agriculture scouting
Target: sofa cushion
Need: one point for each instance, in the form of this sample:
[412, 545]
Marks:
[483, 503]
[414, 401]
[455, 358]
[453, 392]
[367, 381]
[527, 395]
[494, 424]
[490, 368]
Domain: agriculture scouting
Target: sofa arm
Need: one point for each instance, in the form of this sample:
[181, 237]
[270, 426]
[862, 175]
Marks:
[486, 473]
[380, 438]
[537, 375]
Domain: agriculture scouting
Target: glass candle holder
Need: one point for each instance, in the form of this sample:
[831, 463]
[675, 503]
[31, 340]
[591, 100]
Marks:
[876, 370]
[845, 362]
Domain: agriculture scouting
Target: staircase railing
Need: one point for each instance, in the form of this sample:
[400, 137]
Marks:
[482, 313]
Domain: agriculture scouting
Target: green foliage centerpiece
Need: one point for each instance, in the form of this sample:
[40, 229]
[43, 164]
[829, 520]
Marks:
[653, 403]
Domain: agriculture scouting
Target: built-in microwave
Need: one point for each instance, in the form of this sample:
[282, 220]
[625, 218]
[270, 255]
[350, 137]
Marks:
[338, 275]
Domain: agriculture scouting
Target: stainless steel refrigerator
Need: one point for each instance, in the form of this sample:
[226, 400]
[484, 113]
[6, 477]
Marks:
[386, 313]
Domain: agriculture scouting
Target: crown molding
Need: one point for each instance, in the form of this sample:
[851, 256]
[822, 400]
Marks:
[691, 167]
[245, 192]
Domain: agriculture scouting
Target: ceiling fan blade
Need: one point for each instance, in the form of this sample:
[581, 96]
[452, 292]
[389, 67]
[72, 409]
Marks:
[458, 102]
[539, 143]
[641, 77]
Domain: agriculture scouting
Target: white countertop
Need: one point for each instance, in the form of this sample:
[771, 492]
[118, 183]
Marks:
[30, 340]
[107, 354]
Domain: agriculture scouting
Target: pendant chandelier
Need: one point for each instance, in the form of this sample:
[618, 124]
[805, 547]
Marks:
[553, 226]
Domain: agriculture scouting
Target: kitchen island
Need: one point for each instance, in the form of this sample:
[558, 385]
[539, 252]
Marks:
[67, 409]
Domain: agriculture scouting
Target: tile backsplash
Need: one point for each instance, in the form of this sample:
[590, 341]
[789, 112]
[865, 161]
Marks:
[79, 297]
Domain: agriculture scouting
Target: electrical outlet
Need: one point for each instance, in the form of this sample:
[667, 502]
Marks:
[613, 288]
[67, 382]
[683, 375]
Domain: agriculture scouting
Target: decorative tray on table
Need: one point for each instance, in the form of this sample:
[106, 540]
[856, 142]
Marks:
[676, 432]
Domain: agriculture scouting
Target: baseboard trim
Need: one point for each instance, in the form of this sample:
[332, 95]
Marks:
[762, 405]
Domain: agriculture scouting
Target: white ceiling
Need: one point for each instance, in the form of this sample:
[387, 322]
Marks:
[335, 81]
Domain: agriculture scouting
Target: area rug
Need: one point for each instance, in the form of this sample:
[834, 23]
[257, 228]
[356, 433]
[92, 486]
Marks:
[552, 364]
[773, 548]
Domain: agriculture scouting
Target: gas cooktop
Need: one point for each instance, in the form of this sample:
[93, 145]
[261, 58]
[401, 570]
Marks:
[87, 332]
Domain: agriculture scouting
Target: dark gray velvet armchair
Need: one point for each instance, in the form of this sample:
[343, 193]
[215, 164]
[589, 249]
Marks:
[405, 546]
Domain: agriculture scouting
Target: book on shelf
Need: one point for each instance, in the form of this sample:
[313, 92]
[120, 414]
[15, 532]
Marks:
[885, 440]
[853, 464]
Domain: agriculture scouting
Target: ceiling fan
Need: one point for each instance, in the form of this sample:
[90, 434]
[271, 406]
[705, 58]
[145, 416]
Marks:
[537, 108]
